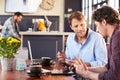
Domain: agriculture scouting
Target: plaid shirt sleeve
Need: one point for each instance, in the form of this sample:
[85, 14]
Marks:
[114, 62]
[9, 29]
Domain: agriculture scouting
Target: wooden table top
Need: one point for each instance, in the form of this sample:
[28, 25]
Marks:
[22, 75]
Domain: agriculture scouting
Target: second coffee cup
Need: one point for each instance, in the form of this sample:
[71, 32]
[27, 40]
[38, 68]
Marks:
[46, 61]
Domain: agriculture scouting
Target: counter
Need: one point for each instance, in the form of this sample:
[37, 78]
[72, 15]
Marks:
[45, 44]
[44, 33]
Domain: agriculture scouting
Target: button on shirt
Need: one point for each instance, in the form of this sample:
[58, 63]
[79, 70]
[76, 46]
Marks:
[93, 50]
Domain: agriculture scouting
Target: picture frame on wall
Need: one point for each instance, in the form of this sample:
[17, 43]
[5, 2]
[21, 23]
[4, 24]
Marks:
[15, 5]
[26, 6]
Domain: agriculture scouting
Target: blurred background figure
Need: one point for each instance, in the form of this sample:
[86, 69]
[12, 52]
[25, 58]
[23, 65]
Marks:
[10, 27]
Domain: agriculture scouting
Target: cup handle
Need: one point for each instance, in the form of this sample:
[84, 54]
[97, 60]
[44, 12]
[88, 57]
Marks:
[51, 61]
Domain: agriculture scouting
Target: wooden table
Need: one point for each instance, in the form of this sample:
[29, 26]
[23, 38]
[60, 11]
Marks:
[22, 75]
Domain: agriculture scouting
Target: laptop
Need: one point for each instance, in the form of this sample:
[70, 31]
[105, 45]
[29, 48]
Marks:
[33, 61]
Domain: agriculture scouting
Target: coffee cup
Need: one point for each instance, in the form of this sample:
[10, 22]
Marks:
[46, 61]
[35, 71]
[29, 29]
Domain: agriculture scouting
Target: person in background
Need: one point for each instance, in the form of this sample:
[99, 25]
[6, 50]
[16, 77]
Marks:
[84, 43]
[107, 21]
[10, 27]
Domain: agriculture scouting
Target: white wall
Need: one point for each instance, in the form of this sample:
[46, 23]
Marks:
[56, 11]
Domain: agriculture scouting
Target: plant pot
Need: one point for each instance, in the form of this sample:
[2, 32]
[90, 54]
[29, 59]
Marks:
[7, 64]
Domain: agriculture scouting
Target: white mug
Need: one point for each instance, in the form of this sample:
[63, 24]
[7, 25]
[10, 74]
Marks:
[29, 29]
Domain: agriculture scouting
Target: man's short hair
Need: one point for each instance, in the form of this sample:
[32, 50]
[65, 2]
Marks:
[76, 15]
[108, 13]
[18, 14]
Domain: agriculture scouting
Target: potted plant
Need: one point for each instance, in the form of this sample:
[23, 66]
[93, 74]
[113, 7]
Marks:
[8, 49]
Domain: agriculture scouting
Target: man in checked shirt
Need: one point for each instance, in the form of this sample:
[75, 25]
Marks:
[10, 27]
[107, 21]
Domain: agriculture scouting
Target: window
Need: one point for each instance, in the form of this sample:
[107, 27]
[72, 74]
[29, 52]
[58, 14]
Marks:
[88, 6]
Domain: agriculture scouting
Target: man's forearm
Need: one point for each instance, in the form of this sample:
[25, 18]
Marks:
[19, 38]
[97, 69]
[91, 75]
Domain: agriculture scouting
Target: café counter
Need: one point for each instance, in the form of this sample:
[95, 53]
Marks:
[44, 43]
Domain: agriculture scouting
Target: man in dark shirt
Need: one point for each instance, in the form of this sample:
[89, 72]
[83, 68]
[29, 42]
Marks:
[107, 21]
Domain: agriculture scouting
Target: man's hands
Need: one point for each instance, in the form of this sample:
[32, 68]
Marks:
[82, 69]
[80, 66]
[61, 56]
